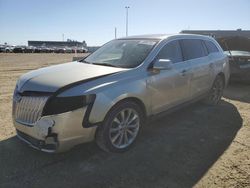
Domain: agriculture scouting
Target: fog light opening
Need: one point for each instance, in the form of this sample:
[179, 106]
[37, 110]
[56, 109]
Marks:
[51, 139]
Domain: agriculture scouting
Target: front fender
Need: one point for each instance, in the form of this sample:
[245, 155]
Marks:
[106, 99]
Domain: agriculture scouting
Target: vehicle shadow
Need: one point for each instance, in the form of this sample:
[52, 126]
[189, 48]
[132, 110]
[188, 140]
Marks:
[174, 151]
[238, 91]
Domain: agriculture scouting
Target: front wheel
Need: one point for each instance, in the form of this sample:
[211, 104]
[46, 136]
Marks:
[120, 128]
[216, 91]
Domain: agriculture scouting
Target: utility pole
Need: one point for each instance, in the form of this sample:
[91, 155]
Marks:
[115, 33]
[63, 36]
[127, 7]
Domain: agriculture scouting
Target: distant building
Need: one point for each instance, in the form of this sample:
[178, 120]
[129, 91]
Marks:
[220, 33]
[68, 43]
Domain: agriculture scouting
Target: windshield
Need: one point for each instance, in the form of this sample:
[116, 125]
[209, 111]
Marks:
[122, 53]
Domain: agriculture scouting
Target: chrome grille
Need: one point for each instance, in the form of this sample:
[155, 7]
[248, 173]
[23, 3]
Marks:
[28, 109]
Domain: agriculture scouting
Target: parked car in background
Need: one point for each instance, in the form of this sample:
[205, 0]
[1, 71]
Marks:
[41, 49]
[37, 49]
[108, 95]
[59, 50]
[29, 49]
[9, 49]
[238, 51]
[18, 49]
[82, 50]
[68, 50]
[2, 48]
[45, 50]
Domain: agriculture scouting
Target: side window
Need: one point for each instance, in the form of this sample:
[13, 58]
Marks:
[171, 51]
[192, 48]
[211, 47]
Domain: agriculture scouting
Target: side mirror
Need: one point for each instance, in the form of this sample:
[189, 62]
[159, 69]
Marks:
[162, 64]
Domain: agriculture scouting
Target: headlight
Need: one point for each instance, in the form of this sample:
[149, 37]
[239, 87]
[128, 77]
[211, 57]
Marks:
[57, 105]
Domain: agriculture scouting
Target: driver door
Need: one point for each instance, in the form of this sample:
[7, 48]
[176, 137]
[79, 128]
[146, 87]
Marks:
[170, 87]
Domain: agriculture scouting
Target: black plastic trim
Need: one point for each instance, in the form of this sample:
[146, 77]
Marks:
[64, 88]
[64, 104]
[35, 93]
[85, 122]
[39, 144]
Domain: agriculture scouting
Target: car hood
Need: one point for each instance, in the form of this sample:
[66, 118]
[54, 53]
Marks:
[234, 43]
[237, 53]
[52, 78]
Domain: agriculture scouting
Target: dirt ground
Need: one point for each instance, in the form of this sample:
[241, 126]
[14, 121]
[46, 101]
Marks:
[198, 146]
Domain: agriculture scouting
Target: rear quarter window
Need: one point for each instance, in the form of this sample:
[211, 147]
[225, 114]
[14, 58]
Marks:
[192, 49]
[211, 47]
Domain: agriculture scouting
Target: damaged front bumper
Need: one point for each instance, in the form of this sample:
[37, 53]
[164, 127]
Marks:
[56, 133]
[42, 145]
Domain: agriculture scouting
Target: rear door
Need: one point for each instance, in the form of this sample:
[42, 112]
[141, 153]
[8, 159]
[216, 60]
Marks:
[214, 58]
[195, 53]
[170, 87]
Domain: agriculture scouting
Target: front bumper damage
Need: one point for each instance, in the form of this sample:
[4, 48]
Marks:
[56, 133]
[42, 145]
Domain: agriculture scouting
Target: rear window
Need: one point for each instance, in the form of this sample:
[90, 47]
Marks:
[211, 47]
[192, 48]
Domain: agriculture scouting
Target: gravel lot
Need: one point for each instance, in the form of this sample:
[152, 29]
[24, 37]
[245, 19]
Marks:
[199, 146]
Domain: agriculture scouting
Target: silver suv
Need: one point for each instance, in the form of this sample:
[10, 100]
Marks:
[109, 95]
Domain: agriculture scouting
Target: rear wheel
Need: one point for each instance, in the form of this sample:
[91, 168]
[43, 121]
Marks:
[120, 128]
[216, 91]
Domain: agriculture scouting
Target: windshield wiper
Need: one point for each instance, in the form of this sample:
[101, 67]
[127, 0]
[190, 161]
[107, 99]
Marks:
[104, 64]
[83, 61]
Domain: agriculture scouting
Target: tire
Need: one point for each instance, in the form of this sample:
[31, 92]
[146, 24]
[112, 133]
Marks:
[216, 91]
[120, 127]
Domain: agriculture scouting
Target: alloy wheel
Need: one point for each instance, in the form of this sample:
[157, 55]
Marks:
[217, 91]
[124, 128]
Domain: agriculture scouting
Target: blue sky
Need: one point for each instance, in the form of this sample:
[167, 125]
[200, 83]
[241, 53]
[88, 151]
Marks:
[95, 20]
